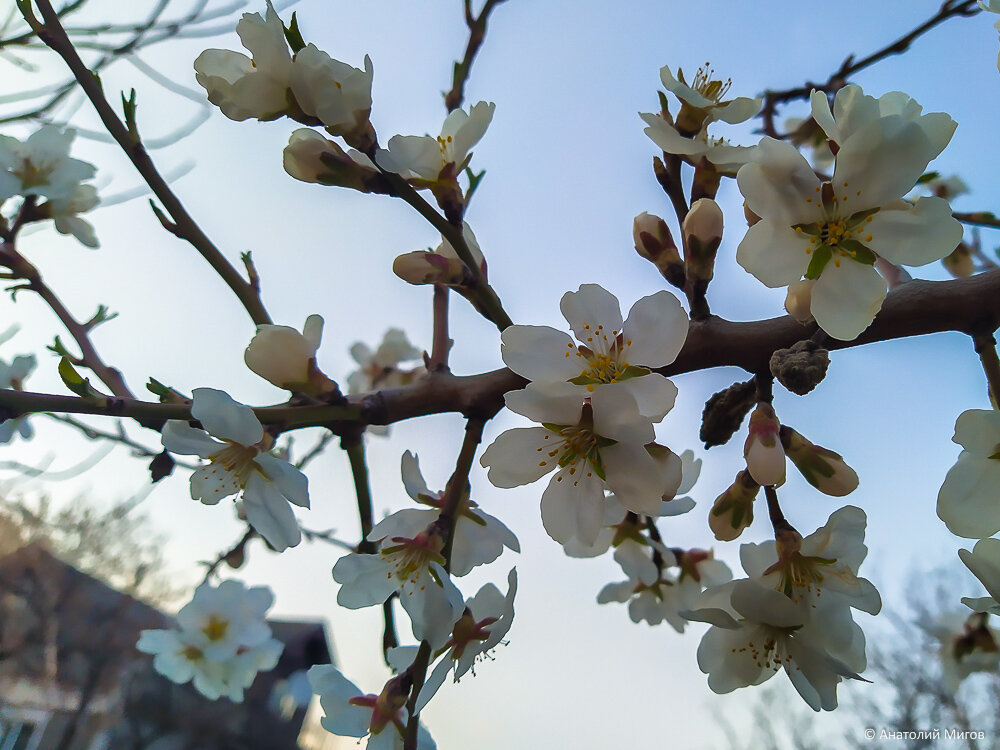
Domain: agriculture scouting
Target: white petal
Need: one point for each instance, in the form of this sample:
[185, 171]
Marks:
[655, 330]
[180, 437]
[211, 483]
[916, 235]
[969, 500]
[654, 394]
[780, 185]
[774, 252]
[540, 353]
[588, 307]
[288, 480]
[557, 403]
[334, 691]
[225, 418]
[616, 416]
[413, 480]
[270, 514]
[846, 298]
[520, 456]
[572, 506]
[978, 431]
[635, 478]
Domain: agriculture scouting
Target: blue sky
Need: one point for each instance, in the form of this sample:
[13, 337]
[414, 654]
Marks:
[568, 167]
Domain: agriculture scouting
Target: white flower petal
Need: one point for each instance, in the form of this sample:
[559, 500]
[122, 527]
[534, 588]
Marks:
[655, 330]
[270, 514]
[225, 418]
[540, 353]
[774, 252]
[916, 235]
[846, 298]
[589, 307]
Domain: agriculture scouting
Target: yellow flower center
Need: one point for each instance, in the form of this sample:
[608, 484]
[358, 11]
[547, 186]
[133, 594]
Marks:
[216, 628]
[238, 460]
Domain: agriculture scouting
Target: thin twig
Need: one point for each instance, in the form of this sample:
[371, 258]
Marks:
[80, 332]
[182, 225]
[441, 344]
[850, 66]
[477, 32]
[92, 433]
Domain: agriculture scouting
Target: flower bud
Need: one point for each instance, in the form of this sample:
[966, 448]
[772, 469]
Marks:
[724, 413]
[733, 509]
[654, 242]
[310, 157]
[798, 301]
[283, 356]
[822, 468]
[702, 236]
[423, 267]
[762, 450]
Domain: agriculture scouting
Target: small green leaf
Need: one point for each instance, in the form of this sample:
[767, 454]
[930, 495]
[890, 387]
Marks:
[75, 382]
[293, 35]
[927, 177]
[859, 252]
[821, 256]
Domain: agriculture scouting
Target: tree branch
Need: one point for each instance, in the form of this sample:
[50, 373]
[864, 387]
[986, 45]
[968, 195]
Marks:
[970, 305]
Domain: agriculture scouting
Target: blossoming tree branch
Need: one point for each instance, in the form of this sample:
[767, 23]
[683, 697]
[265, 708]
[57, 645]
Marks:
[836, 208]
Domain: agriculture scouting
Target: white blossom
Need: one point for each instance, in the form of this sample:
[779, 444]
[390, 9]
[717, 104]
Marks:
[967, 645]
[611, 354]
[380, 368]
[432, 159]
[283, 356]
[222, 643]
[41, 165]
[834, 231]
[240, 463]
[702, 102]
[334, 92]
[757, 631]
[487, 617]
[413, 567]
[352, 713]
[592, 446]
[726, 157]
[12, 376]
[243, 87]
[479, 538]
[969, 499]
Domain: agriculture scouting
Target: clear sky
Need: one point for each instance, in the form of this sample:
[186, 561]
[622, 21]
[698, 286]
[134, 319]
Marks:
[568, 167]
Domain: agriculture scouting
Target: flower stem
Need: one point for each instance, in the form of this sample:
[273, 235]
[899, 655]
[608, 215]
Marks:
[441, 344]
[451, 508]
[353, 444]
[778, 520]
[986, 349]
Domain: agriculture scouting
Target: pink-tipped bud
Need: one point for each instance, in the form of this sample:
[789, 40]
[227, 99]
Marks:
[702, 237]
[654, 242]
[762, 450]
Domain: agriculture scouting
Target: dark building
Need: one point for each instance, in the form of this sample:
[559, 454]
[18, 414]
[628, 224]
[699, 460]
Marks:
[71, 678]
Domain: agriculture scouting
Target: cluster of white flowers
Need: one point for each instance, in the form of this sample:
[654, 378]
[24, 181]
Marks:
[792, 612]
[223, 640]
[41, 168]
[967, 645]
[686, 135]
[596, 402]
